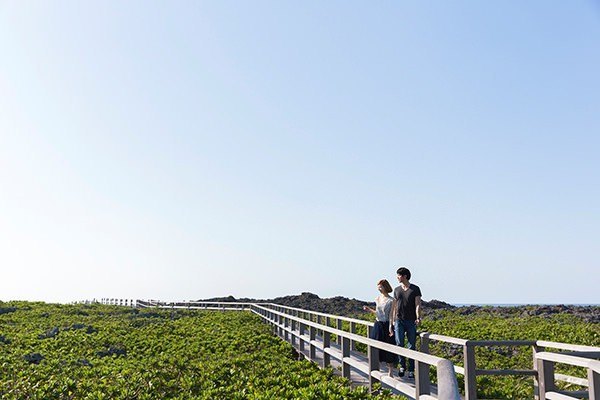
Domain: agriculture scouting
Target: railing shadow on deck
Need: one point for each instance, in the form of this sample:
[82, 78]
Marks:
[321, 331]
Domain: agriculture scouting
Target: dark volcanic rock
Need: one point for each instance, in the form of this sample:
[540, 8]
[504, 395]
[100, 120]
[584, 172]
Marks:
[437, 305]
[586, 313]
[76, 327]
[431, 309]
[309, 301]
[51, 333]
[338, 305]
[6, 310]
[33, 358]
[4, 340]
[84, 363]
[112, 350]
[90, 329]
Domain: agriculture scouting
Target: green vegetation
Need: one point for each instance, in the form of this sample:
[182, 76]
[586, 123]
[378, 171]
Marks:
[50, 351]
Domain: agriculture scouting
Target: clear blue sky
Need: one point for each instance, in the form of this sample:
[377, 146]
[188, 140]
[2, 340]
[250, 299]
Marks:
[184, 150]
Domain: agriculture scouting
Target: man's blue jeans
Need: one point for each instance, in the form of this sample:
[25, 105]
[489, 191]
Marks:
[402, 327]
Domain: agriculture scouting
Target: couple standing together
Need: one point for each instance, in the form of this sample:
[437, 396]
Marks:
[397, 318]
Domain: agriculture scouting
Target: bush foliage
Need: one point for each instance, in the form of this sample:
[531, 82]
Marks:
[50, 351]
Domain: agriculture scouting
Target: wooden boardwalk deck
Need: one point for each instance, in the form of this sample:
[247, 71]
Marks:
[359, 366]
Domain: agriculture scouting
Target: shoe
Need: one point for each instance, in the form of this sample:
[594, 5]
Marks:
[401, 372]
[411, 375]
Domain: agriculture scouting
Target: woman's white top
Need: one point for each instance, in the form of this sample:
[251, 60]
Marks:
[383, 308]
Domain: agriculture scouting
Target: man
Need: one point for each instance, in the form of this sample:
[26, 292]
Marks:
[406, 314]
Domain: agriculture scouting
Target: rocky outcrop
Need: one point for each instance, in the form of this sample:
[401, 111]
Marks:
[49, 334]
[338, 305]
[112, 350]
[33, 358]
[351, 307]
[586, 313]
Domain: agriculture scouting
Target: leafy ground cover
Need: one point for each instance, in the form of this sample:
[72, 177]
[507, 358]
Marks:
[50, 351]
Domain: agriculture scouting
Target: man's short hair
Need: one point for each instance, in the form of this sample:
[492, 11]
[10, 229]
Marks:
[404, 271]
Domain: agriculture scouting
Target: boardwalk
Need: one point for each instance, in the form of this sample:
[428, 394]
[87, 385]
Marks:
[331, 341]
[359, 373]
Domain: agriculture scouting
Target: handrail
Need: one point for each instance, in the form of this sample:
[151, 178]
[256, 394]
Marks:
[340, 317]
[423, 357]
[545, 365]
[183, 304]
[566, 346]
[247, 304]
[502, 342]
[447, 383]
[470, 370]
[442, 338]
[568, 359]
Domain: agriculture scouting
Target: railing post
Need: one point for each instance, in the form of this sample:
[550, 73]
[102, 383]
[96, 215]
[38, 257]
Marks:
[345, 353]
[312, 334]
[293, 332]
[286, 324]
[536, 380]
[320, 322]
[373, 355]
[446, 381]
[272, 317]
[424, 348]
[312, 349]
[546, 378]
[301, 334]
[593, 384]
[470, 371]
[339, 327]
[422, 381]
[279, 325]
[352, 330]
[326, 344]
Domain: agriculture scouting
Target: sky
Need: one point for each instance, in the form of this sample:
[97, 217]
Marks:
[192, 149]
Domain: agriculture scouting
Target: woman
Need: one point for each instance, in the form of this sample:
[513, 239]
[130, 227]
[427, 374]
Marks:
[381, 328]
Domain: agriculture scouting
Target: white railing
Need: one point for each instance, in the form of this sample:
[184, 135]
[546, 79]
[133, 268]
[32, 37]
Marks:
[302, 331]
[311, 332]
[470, 370]
[315, 329]
[547, 383]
